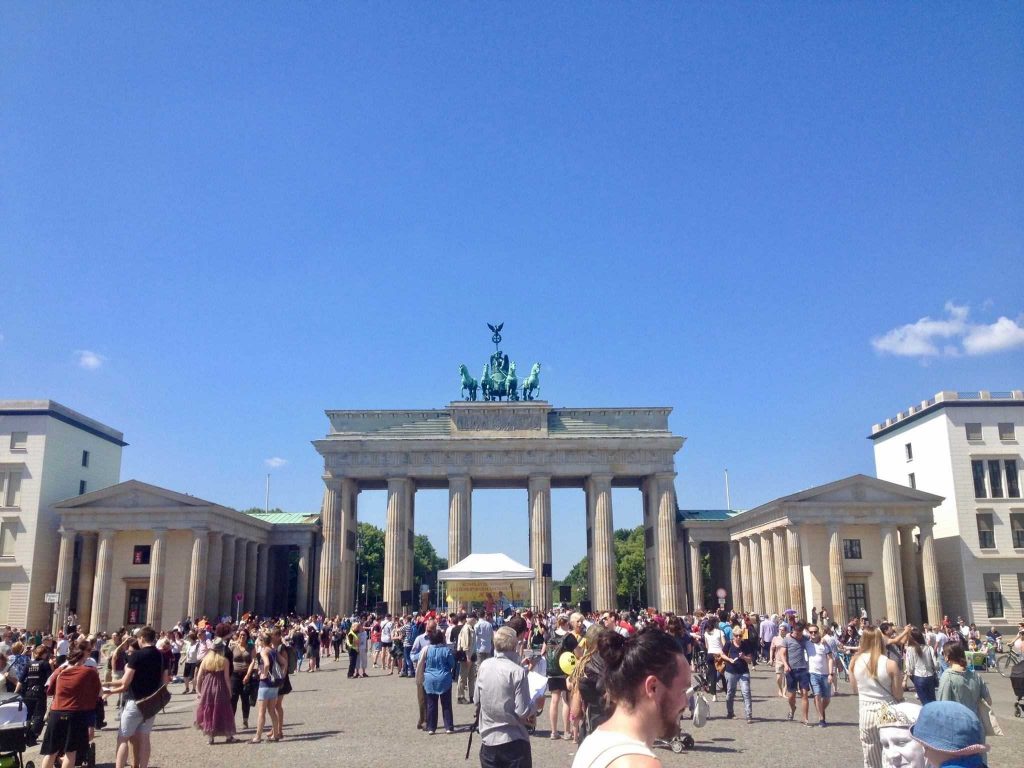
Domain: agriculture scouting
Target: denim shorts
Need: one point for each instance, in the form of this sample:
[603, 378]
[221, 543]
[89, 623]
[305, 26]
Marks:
[266, 692]
[132, 721]
[798, 678]
[820, 686]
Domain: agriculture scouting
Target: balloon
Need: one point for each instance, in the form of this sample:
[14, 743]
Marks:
[567, 662]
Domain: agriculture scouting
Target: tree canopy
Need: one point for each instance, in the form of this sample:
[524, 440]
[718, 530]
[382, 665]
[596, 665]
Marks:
[630, 569]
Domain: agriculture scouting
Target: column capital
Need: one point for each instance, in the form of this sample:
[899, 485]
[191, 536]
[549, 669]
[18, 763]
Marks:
[602, 477]
[67, 530]
[158, 530]
[213, 534]
[106, 534]
[665, 476]
[333, 483]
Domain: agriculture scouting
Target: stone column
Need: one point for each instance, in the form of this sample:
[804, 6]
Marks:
[227, 576]
[930, 569]
[262, 573]
[908, 566]
[768, 579]
[891, 577]
[588, 499]
[460, 516]
[796, 571]
[251, 549]
[604, 545]
[747, 578]
[836, 574]
[197, 576]
[101, 587]
[65, 566]
[155, 598]
[781, 576]
[395, 543]
[302, 580]
[669, 583]
[648, 487]
[86, 577]
[350, 529]
[330, 556]
[735, 572]
[238, 578]
[214, 568]
[408, 574]
[696, 574]
[540, 540]
[757, 573]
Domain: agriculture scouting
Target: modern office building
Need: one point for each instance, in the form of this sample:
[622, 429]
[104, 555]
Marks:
[48, 453]
[966, 448]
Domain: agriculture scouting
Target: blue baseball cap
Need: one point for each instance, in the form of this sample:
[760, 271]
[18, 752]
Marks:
[949, 726]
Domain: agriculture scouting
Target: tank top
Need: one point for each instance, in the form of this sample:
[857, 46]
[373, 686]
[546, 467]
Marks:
[870, 689]
[603, 747]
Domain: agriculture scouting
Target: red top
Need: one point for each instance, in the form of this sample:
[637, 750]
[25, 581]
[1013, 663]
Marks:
[77, 689]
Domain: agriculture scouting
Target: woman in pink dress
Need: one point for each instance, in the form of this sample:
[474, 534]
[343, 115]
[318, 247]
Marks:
[214, 715]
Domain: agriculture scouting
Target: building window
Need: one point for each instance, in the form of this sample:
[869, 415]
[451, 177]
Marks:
[911, 480]
[1012, 479]
[978, 470]
[986, 534]
[1006, 431]
[137, 600]
[973, 431]
[10, 488]
[1020, 586]
[140, 556]
[909, 450]
[81, 487]
[993, 595]
[1017, 529]
[995, 479]
[856, 599]
[85, 458]
[19, 441]
[7, 540]
[5, 600]
[851, 549]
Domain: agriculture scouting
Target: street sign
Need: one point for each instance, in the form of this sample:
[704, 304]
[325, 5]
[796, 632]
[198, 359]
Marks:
[721, 602]
[238, 597]
[720, 593]
[51, 597]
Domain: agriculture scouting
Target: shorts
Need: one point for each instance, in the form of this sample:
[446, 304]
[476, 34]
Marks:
[190, 669]
[557, 684]
[820, 686]
[266, 693]
[132, 722]
[385, 645]
[376, 646]
[780, 668]
[798, 678]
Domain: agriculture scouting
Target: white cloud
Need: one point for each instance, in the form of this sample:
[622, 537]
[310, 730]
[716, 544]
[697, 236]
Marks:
[89, 360]
[275, 463]
[950, 336]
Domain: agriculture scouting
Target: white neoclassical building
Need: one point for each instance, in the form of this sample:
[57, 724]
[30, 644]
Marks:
[847, 546]
[966, 447]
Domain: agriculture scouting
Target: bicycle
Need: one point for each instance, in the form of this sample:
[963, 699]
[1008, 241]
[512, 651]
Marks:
[1006, 661]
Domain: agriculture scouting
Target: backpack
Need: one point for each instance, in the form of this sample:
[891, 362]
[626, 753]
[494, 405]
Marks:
[34, 683]
[274, 672]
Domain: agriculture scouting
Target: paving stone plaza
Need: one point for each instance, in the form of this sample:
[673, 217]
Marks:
[329, 717]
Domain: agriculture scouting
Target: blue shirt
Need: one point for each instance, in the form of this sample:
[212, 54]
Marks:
[438, 669]
[421, 642]
[484, 633]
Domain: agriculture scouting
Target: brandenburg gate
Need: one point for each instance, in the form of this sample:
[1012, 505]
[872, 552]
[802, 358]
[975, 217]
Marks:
[494, 444]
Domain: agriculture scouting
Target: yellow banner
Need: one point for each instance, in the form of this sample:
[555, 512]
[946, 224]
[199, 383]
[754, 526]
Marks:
[487, 591]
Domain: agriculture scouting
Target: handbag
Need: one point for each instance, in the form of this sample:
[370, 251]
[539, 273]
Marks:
[152, 704]
[988, 719]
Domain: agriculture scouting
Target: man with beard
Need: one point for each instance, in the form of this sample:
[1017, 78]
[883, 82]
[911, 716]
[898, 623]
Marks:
[646, 681]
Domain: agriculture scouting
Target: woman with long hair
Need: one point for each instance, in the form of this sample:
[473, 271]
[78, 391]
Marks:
[921, 666]
[76, 690]
[562, 641]
[241, 658]
[265, 665]
[214, 716]
[876, 680]
[963, 685]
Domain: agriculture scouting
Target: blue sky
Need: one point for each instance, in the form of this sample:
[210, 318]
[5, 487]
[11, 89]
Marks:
[217, 223]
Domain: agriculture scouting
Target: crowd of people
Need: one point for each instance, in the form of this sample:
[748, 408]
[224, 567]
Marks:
[617, 681]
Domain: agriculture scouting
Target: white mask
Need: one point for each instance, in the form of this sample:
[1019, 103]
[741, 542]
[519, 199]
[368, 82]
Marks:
[900, 749]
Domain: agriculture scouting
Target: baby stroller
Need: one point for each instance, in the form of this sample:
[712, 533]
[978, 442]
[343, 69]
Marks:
[1017, 681]
[699, 704]
[16, 734]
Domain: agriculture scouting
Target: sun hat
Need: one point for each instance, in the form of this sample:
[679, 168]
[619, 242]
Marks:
[948, 726]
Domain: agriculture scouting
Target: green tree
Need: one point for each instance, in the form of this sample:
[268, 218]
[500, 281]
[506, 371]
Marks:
[577, 579]
[630, 569]
[370, 564]
[426, 562]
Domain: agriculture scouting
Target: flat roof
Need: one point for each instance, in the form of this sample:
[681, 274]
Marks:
[62, 413]
[947, 399]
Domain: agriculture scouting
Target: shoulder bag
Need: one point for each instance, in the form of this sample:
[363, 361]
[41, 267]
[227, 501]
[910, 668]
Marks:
[152, 704]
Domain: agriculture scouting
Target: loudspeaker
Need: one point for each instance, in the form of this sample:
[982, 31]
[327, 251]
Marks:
[585, 607]
[545, 570]
[381, 609]
[564, 593]
[406, 597]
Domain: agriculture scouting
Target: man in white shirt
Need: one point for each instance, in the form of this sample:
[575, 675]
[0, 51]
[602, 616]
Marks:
[821, 666]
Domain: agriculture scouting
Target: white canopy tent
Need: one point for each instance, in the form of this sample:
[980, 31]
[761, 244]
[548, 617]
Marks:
[484, 577]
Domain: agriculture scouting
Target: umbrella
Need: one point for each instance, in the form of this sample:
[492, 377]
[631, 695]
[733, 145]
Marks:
[790, 612]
